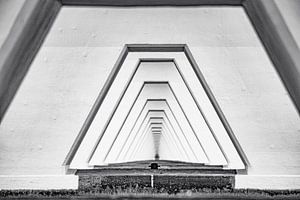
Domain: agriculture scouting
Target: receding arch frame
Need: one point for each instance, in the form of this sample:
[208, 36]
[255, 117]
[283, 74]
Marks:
[158, 106]
[164, 90]
[186, 102]
[36, 17]
[128, 48]
[154, 106]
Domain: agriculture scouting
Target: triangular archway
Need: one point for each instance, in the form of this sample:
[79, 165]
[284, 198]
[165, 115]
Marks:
[192, 82]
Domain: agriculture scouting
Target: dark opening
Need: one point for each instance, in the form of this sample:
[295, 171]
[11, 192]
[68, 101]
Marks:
[154, 166]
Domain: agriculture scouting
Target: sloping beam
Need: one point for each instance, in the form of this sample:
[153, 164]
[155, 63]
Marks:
[21, 45]
[279, 43]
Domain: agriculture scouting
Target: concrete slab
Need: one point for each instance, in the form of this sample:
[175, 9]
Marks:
[38, 182]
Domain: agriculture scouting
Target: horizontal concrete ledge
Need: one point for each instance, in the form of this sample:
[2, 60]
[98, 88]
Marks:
[268, 182]
[38, 182]
[136, 171]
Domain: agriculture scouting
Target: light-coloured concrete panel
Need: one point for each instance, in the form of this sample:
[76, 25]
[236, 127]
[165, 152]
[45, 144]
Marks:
[273, 182]
[53, 100]
[108, 27]
[38, 182]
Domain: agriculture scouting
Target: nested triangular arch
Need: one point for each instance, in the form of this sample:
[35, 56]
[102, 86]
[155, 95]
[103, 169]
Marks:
[210, 106]
[161, 105]
[134, 140]
[129, 144]
[156, 72]
[157, 90]
[135, 112]
[137, 153]
[148, 150]
[168, 133]
[179, 130]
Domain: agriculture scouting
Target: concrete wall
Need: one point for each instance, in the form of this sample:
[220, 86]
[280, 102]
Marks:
[80, 50]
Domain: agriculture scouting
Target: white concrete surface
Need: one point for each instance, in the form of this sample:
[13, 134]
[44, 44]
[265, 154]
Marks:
[38, 182]
[72, 66]
[271, 182]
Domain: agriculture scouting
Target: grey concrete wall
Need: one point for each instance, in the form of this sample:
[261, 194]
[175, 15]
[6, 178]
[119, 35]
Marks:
[82, 46]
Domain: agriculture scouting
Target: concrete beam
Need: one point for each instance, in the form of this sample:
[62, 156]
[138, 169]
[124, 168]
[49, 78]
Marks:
[278, 42]
[21, 45]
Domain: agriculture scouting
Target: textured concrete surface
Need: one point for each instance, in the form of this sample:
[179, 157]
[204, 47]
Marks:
[268, 182]
[69, 71]
[38, 182]
[72, 66]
